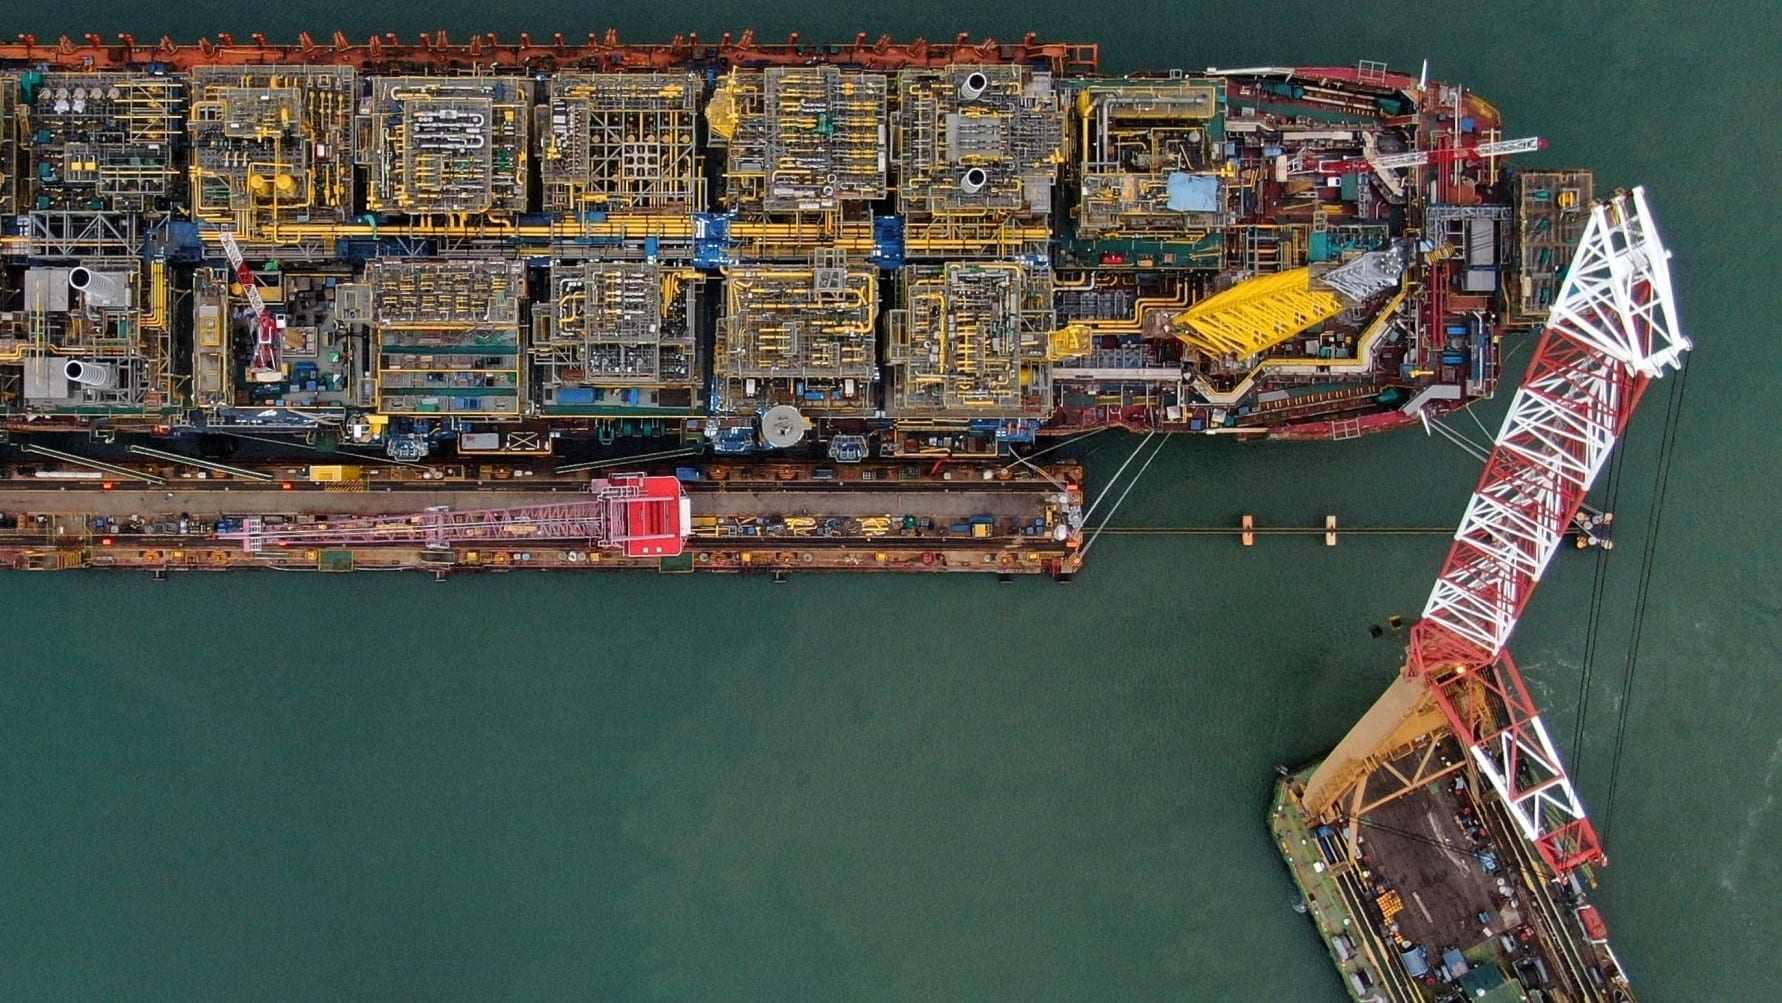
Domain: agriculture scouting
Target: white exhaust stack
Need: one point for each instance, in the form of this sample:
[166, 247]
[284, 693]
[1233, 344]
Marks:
[97, 375]
[100, 288]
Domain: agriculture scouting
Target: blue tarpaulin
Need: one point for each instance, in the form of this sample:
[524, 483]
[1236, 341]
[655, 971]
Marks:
[1193, 192]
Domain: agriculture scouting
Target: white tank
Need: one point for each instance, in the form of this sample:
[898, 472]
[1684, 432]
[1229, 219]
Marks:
[973, 180]
[973, 86]
[783, 426]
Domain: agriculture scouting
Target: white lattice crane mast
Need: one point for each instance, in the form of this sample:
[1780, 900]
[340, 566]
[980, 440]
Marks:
[264, 365]
[1611, 331]
[1443, 155]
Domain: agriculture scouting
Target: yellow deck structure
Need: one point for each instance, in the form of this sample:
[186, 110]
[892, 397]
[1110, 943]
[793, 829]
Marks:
[1257, 314]
[106, 142]
[622, 329]
[621, 142]
[446, 336]
[1132, 136]
[447, 145]
[972, 340]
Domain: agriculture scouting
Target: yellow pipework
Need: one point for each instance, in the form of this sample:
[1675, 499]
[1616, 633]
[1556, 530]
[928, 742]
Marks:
[157, 321]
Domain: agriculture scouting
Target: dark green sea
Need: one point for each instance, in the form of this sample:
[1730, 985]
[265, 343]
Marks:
[635, 787]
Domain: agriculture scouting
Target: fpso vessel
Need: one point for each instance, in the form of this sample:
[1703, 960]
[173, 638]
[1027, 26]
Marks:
[892, 249]
[499, 256]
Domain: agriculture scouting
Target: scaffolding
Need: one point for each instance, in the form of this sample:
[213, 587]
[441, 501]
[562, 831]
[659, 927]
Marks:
[616, 334]
[272, 144]
[620, 143]
[213, 377]
[1149, 157]
[736, 121]
[447, 145]
[1552, 210]
[11, 161]
[802, 336]
[972, 340]
[447, 336]
[106, 141]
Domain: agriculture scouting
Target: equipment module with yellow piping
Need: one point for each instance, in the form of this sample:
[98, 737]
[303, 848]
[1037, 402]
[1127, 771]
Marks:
[934, 249]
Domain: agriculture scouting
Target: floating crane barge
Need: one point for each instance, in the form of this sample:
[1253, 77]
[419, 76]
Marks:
[1442, 849]
[733, 517]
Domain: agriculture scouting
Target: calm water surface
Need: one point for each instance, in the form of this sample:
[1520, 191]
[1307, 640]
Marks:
[282, 787]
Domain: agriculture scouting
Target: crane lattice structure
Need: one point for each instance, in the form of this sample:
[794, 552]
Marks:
[1612, 330]
[264, 366]
[642, 516]
[1443, 155]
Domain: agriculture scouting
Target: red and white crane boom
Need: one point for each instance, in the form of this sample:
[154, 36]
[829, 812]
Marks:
[1447, 155]
[264, 366]
[1612, 330]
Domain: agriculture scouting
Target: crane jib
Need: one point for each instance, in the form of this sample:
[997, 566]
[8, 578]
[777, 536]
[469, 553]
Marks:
[1613, 328]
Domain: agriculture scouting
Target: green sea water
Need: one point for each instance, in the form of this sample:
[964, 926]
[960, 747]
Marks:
[636, 787]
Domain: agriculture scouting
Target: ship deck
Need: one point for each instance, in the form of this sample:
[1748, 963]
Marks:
[799, 520]
[1424, 883]
[964, 245]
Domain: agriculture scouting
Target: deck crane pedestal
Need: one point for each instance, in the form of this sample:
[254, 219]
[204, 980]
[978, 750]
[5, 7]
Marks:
[1612, 330]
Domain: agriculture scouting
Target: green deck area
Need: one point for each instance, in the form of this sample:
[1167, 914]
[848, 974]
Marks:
[1318, 886]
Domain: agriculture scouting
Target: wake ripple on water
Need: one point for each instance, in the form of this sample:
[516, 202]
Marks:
[1732, 874]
